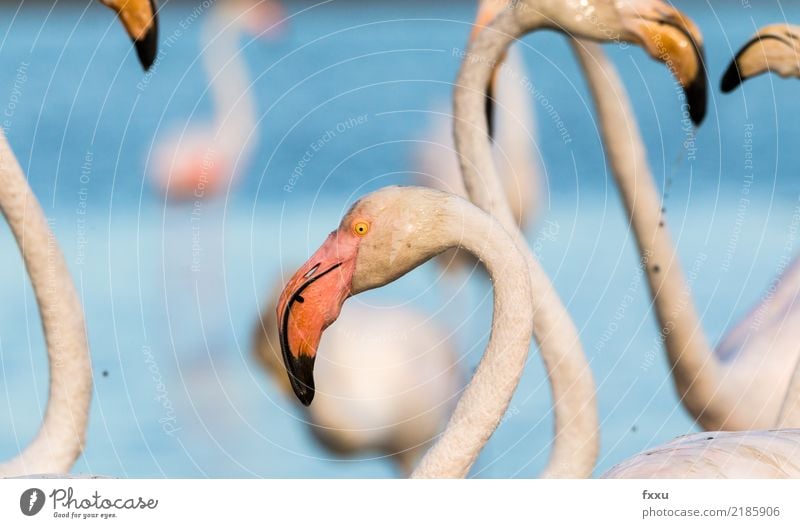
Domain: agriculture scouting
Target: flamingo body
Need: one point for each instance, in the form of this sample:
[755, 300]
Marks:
[726, 455]
[388, 381]
[204, 160]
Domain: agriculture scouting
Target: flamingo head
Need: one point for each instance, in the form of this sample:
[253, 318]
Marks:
[671, 37]
[193, 169]
[265, 19]
[140, 18]
[382, 237]
[774, 48]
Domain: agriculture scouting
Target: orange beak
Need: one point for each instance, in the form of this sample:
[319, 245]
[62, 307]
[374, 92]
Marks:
[310, 302]
[140, 18]
[673, 38]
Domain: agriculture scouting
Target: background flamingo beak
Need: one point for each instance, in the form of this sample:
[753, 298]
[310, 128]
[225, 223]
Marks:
[672, 38]
[310, 302]
[147, 44]
[771, 49]
[140, 18]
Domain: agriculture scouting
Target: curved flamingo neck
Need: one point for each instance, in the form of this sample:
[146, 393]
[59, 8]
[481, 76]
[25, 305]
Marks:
[694, 365]
[485, 400]
[61, 437]
[576, 436]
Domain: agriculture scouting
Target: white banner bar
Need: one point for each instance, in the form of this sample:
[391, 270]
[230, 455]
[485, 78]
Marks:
[401, 503]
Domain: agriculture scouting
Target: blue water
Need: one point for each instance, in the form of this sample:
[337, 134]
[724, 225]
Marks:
[177, 393]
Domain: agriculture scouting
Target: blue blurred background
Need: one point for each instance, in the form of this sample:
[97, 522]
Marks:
[177, 391]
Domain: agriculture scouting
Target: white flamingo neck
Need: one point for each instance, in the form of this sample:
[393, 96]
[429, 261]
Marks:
[484, 402]
[694, 365]
[576, 436]
[61, 437]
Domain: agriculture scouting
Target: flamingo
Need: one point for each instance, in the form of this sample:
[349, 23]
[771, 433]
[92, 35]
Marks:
[732, 454]
[393, 400]
[392, 231]
[382, 237]
[62, 434]
[742, 382]
[668, 36]
[140, 19]
[663, 31]
[205, 160]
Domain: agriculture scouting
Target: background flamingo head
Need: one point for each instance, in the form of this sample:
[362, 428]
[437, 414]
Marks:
[193, 169]
[265, 19]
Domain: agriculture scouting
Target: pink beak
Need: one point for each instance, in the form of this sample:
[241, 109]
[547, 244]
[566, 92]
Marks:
[310, 302]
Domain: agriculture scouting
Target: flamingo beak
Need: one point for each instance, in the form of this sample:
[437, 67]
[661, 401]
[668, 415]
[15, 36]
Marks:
[774, 48]
[673, 38]
[310, 302]
[140, 18]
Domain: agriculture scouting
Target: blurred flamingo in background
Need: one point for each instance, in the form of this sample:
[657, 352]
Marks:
[390, 381]
[200, 161]
[191, 169]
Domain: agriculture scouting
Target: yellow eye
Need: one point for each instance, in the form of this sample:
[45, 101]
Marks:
[361, 228]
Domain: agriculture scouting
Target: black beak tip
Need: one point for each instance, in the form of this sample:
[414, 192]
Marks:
[697, 90]
[731, 79]
[147, 46]
[301, 375]
[697, 97]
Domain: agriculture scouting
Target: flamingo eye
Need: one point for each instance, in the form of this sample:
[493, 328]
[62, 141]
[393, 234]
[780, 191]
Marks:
[361, 228]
